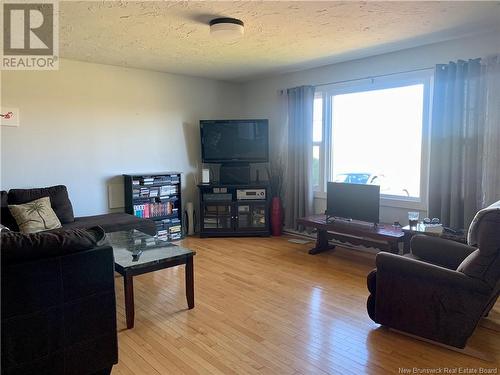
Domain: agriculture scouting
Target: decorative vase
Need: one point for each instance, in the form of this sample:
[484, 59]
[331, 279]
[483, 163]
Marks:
[276, 217]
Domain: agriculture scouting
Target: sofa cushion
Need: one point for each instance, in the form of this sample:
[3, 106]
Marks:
[19, 247]
[35, 216]
[114, 222]
[58, 198]
[5, 215]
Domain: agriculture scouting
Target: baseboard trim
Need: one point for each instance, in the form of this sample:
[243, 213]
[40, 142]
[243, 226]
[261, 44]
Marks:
[467, 350]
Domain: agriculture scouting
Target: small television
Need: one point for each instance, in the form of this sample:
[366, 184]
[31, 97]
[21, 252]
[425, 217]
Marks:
[353, 201]
[234, 141]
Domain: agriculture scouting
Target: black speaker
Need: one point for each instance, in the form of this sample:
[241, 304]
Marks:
[235, 174]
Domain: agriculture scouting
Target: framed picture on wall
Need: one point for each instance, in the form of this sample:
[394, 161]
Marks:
[9, 116]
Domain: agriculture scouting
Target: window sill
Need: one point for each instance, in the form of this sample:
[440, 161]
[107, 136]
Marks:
[407, 203]
[389, 201]
[319, 195]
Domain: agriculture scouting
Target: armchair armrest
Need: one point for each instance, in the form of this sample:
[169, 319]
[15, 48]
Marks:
[437, 250]
[440, 277]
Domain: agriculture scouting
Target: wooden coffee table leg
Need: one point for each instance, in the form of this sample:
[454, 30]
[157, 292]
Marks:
[190, 282]
[128, 285]
[322, 243]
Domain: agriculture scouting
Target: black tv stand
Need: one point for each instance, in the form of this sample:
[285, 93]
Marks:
[226, 211]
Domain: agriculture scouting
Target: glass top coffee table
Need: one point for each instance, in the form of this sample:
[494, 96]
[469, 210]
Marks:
[137, 253]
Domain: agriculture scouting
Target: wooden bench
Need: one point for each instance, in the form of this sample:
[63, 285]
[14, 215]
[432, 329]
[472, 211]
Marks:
[382, 236]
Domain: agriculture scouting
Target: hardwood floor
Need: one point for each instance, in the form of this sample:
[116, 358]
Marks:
[264, 306]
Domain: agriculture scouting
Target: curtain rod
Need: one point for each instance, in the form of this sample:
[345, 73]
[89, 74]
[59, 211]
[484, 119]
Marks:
[282, 91]
[373, 77]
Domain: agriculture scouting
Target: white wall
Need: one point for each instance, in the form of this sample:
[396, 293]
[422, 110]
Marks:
[86, 124]
[261, 97]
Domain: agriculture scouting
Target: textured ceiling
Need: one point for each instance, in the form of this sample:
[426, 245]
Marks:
[280, 36]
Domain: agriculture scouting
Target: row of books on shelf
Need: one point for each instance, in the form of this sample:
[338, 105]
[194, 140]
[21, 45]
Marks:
[173, 233]
[169, 229]
[154, 180]
[161, 192]
[151, 210]
[145, 200]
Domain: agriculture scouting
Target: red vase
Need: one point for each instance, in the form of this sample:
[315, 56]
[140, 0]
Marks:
[276, 217]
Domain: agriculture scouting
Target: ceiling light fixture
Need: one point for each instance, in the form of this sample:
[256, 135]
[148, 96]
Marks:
[226, 28]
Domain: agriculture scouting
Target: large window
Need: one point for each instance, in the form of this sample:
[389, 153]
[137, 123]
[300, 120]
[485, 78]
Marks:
[374, 133]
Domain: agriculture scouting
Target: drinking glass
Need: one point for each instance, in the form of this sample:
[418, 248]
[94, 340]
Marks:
[413, 218]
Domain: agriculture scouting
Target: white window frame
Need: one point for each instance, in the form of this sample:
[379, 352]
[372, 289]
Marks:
[424, 77]
[322, 148]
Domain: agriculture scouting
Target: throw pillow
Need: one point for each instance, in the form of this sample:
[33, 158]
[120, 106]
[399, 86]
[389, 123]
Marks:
[58, 195]
[35, 216]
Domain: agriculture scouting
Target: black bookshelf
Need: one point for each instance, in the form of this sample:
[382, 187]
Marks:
[226, 211]
[157, 197]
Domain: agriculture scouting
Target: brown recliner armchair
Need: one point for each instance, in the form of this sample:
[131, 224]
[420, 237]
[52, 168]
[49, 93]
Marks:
[442, 289]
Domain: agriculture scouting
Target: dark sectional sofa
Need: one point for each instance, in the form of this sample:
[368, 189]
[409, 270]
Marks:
[63, 208]
[58, 296]
[58, 303]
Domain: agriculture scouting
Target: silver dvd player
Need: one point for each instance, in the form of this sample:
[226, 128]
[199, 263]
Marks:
[249, 194]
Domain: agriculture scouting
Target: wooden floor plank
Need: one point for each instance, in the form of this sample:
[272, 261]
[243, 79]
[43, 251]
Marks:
[265, 306]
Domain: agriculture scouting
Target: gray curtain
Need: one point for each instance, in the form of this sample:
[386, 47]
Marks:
[460, 136]
[490, 80]
[298, 184]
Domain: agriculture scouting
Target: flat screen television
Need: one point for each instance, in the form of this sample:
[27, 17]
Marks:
[229, 141]
[353, 201]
